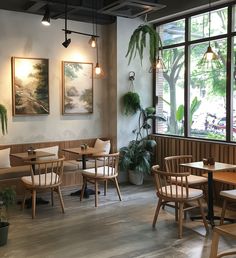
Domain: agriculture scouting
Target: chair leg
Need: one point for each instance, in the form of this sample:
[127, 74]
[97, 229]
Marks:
[23, 202]
[61, 199]
[223, 212]
[214, 245]
[52, 199]
[117, 188]
[96, 193]
[176, 211]
[157, 212]
[83, 188]
[33, 203]
[181, 210]
[105, 187]
[203, 215]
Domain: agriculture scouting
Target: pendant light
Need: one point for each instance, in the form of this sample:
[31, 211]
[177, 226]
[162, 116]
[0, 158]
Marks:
[210, 57]
[98, 69]
[92, 41]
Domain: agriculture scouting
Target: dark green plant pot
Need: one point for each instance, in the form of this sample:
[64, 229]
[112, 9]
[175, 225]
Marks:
[3, 232]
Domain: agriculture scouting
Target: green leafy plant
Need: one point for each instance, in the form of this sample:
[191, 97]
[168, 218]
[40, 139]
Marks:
[131, 103]
[138, 41]
[7, 198]
[137, 156]
[3, 118]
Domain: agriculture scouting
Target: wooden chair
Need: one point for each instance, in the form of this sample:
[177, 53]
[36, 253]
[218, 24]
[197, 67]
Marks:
[229, 231]
[229, 196]
[107, 171]
[172, 165]
[45, 175]
[173, 187]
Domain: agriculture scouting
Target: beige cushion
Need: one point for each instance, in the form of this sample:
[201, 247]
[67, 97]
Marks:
[229, 193]
[70, 165]
[104, 146]
[192, 179]
[5, 158]
[48, 180]
[193, 193]
[14, 172]
[53, 150]
[101, 171]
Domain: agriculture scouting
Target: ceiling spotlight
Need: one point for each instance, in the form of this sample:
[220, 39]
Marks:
[46, 18]
[66, 43]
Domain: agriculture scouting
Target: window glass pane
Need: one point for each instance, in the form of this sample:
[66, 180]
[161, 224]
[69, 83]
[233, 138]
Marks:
[199, 24]
[234, 88]
[170, 92]
[173, 32]
[207, 107]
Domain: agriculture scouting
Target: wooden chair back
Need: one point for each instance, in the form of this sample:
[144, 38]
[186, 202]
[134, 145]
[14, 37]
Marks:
[47, 173]
[171, 186]
[106, 165]
[172, 163]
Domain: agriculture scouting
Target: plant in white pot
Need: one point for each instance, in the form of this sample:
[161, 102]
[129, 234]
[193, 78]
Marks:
[136, 158]
[7, 198]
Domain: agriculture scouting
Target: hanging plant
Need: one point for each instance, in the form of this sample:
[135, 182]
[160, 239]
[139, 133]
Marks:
[3, 118]
[131, 103]
[138, 42]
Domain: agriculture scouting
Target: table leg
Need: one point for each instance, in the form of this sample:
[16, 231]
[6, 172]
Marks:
[87, 191]
[210, 214]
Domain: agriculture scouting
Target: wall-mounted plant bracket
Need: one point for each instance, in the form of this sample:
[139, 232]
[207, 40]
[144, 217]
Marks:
[131, 76]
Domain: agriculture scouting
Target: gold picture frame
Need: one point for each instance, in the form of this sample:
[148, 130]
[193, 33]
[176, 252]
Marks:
[30, 86]
[77, 88]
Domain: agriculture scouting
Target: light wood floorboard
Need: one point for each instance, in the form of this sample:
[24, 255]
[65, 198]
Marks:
[115, 229]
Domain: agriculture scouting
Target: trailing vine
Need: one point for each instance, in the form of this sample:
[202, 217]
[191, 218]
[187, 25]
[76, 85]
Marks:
[138, 42]
[3, 118]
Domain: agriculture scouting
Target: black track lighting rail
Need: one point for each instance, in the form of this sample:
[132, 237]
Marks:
[81, 33]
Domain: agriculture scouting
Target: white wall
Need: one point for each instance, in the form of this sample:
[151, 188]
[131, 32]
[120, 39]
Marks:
[23, 35]
[143, 79]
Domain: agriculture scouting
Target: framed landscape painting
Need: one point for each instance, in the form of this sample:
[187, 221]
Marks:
[30, 91]
[77, 85]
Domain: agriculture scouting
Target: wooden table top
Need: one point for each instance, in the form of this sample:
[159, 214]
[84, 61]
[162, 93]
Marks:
[26, 156]
[79, 151]
[217, 167]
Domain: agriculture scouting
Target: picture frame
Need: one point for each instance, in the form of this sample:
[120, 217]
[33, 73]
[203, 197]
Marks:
[77, 88]
[30, 86]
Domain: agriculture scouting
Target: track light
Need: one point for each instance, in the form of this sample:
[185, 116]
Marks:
[46, 18]
[66, 43]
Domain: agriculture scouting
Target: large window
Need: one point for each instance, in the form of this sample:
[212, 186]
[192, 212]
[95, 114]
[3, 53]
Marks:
[197, 99]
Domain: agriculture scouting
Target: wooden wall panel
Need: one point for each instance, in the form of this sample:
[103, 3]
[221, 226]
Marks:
[169, 146]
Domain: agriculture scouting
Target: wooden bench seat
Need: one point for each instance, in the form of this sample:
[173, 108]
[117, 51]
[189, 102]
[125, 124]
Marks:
[225, 177]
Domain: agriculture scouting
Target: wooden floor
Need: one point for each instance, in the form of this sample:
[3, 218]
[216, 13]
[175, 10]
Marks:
[114, 229]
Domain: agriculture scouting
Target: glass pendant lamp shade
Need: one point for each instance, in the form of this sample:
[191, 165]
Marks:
[92, 42]
[158, 66]
[98, 69]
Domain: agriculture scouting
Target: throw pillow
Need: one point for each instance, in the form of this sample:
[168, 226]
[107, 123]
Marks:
[53, 150]
[104, 146]
[5, 158]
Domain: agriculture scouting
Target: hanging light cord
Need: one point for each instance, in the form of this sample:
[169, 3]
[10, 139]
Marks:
[66, 3]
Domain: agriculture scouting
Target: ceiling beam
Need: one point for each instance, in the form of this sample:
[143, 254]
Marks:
[35, 6]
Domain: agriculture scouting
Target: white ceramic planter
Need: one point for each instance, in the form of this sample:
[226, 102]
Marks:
[135, 178]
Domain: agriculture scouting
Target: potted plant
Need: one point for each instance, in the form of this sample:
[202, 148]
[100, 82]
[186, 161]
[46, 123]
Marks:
[3, 118]
[131, 103]
[7, 198]
[136, 158]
